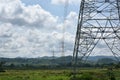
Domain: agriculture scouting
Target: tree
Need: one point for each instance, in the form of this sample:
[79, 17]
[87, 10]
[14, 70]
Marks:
[12, 65]
[1, 66]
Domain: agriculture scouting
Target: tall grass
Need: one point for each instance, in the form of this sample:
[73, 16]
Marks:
[86, 74]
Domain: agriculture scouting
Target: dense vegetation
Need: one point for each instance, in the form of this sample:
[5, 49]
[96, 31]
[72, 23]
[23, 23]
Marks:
[56, 62]
[58, 68]
[84, 74]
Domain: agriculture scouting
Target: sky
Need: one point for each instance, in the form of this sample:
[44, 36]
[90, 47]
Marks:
[33, 28]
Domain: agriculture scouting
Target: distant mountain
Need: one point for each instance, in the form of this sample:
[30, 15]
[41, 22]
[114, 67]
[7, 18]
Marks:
[96, 58]
[106, 61]
[58, 61]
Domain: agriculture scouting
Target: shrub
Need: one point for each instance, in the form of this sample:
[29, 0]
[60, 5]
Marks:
[84, 76]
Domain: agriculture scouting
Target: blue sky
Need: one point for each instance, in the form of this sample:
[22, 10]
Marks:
[55, 9]
[46, 4]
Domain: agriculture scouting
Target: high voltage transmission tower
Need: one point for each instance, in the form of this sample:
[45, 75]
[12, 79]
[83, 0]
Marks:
[99, 20]
[63, 32]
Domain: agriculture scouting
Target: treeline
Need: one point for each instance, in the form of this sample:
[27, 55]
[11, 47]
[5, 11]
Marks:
[54, 63]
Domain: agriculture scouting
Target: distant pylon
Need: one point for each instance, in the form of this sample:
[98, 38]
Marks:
[63, 31]
[98, 20]
[53, 58]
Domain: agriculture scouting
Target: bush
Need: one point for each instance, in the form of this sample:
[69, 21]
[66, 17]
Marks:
[84, 76]
[1, 66]
[112, 78]
[2, 70]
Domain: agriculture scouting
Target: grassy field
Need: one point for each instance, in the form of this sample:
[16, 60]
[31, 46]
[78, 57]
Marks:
[84, 74]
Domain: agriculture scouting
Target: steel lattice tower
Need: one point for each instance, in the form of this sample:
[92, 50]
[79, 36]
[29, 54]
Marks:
[99, 20]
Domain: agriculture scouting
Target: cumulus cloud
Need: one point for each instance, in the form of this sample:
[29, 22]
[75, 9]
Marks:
[58, 2]
[25, 30]
[5, 29]
[18, 14]
[70, 23]
[31, 31]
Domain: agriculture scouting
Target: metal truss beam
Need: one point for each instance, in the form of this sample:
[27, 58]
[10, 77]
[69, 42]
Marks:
[98, 20]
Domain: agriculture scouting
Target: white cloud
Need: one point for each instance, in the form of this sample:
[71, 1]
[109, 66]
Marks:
[58, 2]
[4, 29]
[31, 30]
[25, 30]
[17, 13]
[70, 23]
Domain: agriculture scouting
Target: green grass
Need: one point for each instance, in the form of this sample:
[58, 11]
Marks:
[84, 74]
[34, 75]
